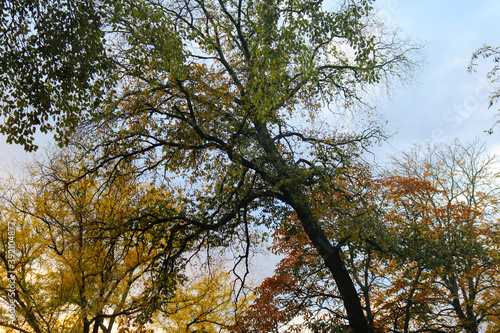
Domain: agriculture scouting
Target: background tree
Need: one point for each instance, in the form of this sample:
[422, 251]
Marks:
[206, 302]
[449, 230]
[82, 263]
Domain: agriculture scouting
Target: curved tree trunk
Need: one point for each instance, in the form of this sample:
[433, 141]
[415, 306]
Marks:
[295, 197]
[332, 257]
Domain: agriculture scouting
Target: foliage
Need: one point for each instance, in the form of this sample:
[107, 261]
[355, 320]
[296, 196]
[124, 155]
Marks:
[205, 303]
[53, 58]
[451, 232]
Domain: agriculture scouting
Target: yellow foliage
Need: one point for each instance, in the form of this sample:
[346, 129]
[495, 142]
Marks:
[204, 304]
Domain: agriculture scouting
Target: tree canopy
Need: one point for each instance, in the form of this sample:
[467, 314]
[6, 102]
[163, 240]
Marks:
[61, 60]
[53, 66]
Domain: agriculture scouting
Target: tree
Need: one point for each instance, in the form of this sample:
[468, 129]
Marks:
[81, 263]
[449, 230]
[218, 93]
[441, 207]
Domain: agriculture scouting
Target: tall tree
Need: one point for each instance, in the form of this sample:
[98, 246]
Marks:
[229, 95]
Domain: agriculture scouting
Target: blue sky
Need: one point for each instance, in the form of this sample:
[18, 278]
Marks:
[443, 102]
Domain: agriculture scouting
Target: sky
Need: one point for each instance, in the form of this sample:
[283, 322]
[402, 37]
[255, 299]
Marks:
[443, 101]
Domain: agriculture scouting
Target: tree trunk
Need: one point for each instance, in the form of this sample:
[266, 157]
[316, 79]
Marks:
[86, 325]
[294, 196]
[333, 261]
[409, 302]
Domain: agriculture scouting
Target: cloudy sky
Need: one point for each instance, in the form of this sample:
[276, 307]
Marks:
[444, 101]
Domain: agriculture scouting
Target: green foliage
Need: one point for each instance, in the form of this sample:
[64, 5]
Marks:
[54, 68]
[60, 59]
